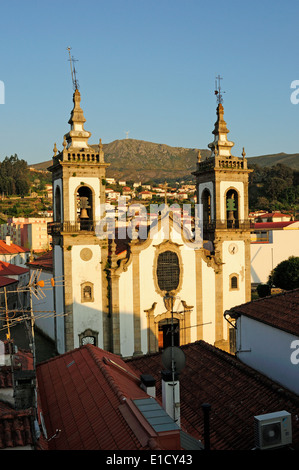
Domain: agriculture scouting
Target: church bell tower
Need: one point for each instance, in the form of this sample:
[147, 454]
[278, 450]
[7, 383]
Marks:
[79, 256]
[222, 190]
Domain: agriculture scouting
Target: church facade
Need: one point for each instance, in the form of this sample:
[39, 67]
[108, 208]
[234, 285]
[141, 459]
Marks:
[139, 294]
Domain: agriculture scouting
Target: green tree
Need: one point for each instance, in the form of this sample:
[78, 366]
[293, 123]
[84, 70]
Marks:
[286, 274]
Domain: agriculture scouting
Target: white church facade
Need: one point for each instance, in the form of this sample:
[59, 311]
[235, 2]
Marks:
[123, 293]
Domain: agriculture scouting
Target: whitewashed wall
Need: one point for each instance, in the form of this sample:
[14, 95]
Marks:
[268, 350]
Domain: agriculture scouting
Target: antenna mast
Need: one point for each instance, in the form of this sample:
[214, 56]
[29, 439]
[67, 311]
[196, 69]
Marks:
[73, 70]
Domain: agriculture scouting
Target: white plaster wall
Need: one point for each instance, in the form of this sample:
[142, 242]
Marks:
[224, 186]
[233, 263]
[87, 315]
[126, 313]
[266, 256]
[268, 350]
[45, 304]
[59, 299]
[208, 303]
[76, 181]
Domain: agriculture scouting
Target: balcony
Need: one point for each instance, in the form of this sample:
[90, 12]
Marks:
[235, 224]
[56, 228]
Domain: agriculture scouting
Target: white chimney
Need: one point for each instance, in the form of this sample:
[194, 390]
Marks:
[171, 395]
[7, 240]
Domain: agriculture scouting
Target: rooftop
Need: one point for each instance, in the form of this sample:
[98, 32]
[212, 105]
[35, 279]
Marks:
[235, 392]
[11, 248]
[7, 269]
[279, 311]
[92, 396]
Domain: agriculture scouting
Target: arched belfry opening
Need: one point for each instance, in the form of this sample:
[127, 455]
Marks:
[232, 208]
[57, 204]
[85, 208]
[206, 206]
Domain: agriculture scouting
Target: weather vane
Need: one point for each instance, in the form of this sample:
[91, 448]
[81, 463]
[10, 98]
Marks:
[218, 90]
[73, 70]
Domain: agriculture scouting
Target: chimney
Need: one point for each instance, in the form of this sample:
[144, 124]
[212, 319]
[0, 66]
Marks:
[24, 389]
[171, 395]
[148, 384]
[7, 240]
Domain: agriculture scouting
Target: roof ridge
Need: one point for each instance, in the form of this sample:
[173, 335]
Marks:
[100, 363]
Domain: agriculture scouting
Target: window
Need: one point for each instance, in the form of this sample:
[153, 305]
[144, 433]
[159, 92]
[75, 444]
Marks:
[234, 282]
[168, 271]
[87, 292]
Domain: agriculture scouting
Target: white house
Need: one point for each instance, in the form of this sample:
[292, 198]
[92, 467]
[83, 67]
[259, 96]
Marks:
[271, 243]
[267, 336]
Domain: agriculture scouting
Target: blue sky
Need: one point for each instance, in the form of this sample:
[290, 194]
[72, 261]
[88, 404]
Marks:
[149, 67]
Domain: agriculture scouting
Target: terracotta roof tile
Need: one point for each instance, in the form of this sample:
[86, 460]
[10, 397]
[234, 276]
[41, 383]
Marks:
[11, 249]
[8, 269]
[235, 392]
[82, 393]
[43, 261]
[280, 311]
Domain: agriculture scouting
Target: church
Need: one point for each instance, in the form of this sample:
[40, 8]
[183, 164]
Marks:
[138, 294]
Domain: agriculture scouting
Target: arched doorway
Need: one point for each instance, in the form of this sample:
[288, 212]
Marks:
[165, 333]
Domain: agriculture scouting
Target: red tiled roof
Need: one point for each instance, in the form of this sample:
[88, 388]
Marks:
[280, 311]
[88, 394]
[11, 249]
[43, 261]
[235, 392]
[7, 269]
[15, 425]
[6, 281]
[271, 225]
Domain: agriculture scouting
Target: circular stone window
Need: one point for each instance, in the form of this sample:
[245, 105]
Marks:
[86, 254]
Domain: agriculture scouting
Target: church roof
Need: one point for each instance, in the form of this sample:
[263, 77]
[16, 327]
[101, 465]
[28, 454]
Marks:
[279, 311]
[235, 392]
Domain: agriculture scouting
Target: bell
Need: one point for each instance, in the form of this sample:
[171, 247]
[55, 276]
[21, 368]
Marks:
[84, 214]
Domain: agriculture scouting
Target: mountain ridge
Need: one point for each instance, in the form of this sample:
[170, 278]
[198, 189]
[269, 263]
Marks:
[139, 160]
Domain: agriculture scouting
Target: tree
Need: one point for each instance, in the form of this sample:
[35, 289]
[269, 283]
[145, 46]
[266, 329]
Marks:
[286, 274]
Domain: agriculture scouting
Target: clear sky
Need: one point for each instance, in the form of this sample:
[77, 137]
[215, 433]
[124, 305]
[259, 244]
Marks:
[149, 67]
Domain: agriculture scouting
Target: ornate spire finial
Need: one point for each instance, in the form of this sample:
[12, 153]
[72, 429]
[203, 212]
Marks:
[218, 90]
[243, 153]
[64, 142]
[55, 150]
[199, 156]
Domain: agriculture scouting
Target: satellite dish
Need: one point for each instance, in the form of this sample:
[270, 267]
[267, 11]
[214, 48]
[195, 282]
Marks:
[175, 353]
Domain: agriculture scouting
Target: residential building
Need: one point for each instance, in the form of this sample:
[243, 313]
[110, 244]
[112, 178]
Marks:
[271, 243]
[267, 336]
[12, 253]
[28, 232]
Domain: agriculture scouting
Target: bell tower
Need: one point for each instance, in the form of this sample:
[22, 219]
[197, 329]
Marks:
[222, 189]
[78, 174]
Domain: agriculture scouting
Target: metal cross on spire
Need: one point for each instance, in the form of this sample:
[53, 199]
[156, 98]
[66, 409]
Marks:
[218, 89]
[73, 70]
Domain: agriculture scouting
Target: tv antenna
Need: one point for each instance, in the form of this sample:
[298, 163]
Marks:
[218, 89]
[73, 69]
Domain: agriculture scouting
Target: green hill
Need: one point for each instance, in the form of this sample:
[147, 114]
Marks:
[138, 160]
